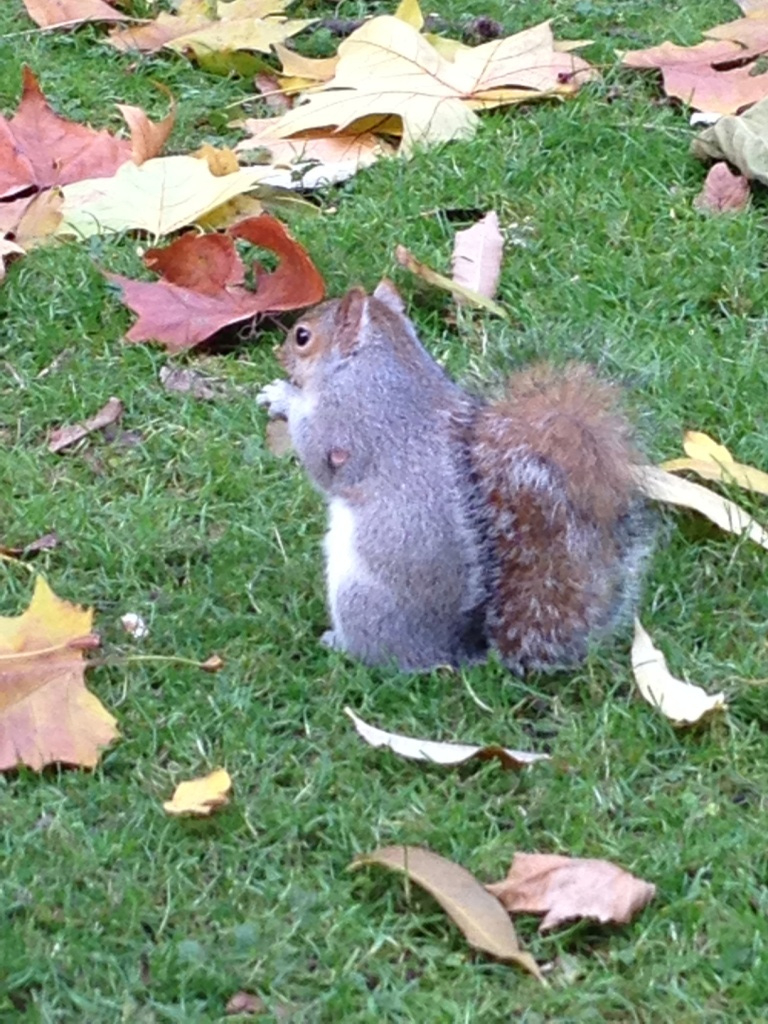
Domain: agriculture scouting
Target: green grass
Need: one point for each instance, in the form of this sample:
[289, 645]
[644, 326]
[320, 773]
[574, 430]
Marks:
[113, 912]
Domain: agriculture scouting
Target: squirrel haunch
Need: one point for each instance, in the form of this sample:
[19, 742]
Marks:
[456, 525]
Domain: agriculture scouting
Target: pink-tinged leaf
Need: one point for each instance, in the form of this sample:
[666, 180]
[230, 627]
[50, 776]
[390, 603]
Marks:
[66, 436]
[723, 191]
[477, 253]
[66, 13]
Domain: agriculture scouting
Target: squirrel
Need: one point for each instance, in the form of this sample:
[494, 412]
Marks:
[459, 525]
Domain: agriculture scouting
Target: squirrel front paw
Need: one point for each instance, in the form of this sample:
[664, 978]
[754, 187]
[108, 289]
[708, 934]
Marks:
[277, 397]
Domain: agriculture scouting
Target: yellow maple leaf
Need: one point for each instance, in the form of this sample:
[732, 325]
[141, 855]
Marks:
[46, 713]
[386, 68]
[200, 796]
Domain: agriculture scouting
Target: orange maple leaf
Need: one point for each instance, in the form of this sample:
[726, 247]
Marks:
[46, 713]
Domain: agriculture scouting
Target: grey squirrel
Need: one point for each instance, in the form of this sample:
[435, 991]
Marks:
[457, 525]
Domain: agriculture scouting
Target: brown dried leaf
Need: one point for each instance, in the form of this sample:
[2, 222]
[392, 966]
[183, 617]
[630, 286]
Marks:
[723, 191]
[189, 382]
[440, 753]
[66, 13]
[47, 715]
[477, 253]
[482, 921]
[47, 542]
[568, 888]
[63, 437]
[202, 291]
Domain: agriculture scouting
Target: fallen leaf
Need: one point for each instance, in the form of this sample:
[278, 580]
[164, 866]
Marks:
[200, 797]
[40, 219]
[658, 484]
[185, 311]
[63, 437]
[314, 158]
[713, 461]
[38, 148]
[723, 191]
[705, 76]
[274, 97]
[477, 253]
[300, 72]
[568, 888]
[683, 703]
[213, 664]
[245, 1002]
[66, 13]
[47, 715]
[472, 298]
[8, 249]
[386, 69]
[188, 382]
[440, 753]
[47, 542]
[236, 25]
[481, 919]
[742, 141]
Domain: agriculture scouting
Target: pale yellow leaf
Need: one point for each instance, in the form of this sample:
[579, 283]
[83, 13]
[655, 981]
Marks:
[160, 196]
[662, 486]
[701, 446]
[713, 461]
[683, 703]
[410, 12]
[482, 919]
[200, 796]
[440, 753]
[477, 253]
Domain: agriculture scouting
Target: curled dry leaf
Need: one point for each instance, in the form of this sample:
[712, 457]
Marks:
[477, 253]
[723, 191]
[214, 663]
[200, 797]
[440, 753]
[741, 140]
[67, 13]
[203, 290]
[472, 298]
[658, 484]
[47, 542]
[568, 888]
[66, 436]
[47, 715]
[246, 1003]
[189, 382]
[38, 148]
[683, 703]
[713, 461]
[481, 919]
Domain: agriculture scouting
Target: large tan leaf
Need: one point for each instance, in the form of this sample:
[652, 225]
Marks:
[477, 253]
[46, 713]
[440, 753]
[160, 196]
[568, 888]
[387, 69]
[662, 486]
[713, 461]
[480, 917]
[683, 703]
[741, 140]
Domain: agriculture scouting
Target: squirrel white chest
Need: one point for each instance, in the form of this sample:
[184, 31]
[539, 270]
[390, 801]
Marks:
[342, 562]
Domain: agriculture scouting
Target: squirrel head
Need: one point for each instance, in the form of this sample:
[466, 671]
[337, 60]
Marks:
[337, 330]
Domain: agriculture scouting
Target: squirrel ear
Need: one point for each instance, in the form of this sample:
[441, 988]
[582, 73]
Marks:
[349, 315]
[387, 293]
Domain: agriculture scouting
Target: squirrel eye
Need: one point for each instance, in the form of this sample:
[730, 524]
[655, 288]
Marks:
[303, 336]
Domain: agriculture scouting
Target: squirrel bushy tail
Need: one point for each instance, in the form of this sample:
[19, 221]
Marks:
[566, 527]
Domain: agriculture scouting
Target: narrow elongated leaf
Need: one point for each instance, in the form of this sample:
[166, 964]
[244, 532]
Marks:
[481, 918]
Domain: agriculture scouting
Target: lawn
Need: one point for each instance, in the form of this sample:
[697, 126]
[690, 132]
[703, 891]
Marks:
[114, 912]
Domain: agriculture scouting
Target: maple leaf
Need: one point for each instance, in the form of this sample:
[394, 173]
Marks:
[46, 713]
[159, 196]
[39, 148]
[203, 289]
[565, 888]
[705, 76]
[66, 13]
[387, 69]
[237, 25]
